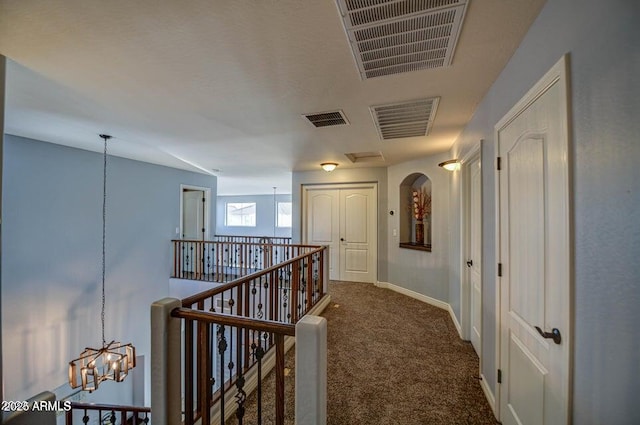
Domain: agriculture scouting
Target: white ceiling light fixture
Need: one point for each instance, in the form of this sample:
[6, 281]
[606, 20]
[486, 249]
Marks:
[329, 166]
[113, 360]
[450, 165]
[395, 36]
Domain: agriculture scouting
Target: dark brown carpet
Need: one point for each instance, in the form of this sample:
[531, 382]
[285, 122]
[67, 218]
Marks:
[391, 360]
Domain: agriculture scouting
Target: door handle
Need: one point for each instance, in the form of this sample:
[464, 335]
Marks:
[554, 334]
[341, 239]
[469, 263]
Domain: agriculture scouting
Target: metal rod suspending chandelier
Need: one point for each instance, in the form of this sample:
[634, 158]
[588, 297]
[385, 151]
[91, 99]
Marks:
[113, 360]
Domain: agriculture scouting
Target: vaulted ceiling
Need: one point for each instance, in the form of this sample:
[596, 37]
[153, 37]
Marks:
[221, 86]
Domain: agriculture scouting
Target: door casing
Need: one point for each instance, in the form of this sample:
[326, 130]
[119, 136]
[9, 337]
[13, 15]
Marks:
[207, 209]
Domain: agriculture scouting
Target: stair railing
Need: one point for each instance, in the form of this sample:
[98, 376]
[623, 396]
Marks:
[107, 414]
[229, 334]
[227, 260]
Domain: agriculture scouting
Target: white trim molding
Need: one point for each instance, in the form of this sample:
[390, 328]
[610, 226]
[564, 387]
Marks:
[425, 299]
[491, 399]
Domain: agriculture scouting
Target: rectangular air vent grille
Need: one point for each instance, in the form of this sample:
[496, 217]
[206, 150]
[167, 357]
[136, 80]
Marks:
[407, 119]
[395, 36]
[365, 157]
[326, 119]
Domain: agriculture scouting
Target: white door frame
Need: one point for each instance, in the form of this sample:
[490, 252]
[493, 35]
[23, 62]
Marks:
[465, 272]
[465, 211]
[363, 185]
[207, 209]
[557, 74]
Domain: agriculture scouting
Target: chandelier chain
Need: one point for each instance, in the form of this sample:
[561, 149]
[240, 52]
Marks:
[104, 233]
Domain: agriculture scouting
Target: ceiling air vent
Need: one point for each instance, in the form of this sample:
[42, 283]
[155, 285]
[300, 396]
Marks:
[395, 36]
[365, 157]
[407, 119]
[326, 119]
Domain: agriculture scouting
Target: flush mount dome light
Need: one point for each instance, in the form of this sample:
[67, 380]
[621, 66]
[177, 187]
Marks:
[450, 165]
[329, 166]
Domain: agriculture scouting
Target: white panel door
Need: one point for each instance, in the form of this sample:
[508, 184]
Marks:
[534, 254]
[193, 214]
[345, 220]
[475, 260]
[357, 235]
[323, 225]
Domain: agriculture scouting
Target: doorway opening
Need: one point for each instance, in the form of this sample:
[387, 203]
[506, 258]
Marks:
[195, 210]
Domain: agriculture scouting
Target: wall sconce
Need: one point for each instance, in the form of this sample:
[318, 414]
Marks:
[450, 165]
[329, 166]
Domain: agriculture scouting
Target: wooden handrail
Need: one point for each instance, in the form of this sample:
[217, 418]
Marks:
[269, 326]
[246, 243]
[116, 407]
[123, 412]
[189, 301]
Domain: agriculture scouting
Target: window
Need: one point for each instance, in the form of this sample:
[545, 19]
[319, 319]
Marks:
[240, 214]
[284, 214]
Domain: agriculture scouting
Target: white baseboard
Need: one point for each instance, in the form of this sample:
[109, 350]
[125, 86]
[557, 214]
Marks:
[425, 299]
[408, 292]
[488, 394]
[455, 321]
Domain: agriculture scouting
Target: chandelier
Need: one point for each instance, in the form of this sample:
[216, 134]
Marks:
[113, 360]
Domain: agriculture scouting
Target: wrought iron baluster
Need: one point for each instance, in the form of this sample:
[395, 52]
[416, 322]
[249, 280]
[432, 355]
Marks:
[222, 348]
[241, 395]
[259, 354]
[285, 294]
[207, 257]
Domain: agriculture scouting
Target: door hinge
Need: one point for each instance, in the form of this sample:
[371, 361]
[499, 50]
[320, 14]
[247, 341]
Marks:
[499, 269]
[499, 376]
[203, 200]
[499, 164]
[203, 230]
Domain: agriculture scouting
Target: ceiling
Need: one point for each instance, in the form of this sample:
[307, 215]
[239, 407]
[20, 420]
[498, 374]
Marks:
[221, 86]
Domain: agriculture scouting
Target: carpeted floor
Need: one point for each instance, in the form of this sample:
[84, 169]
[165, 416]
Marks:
[391, 360]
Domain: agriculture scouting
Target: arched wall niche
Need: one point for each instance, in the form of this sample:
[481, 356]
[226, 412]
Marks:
[407, 222]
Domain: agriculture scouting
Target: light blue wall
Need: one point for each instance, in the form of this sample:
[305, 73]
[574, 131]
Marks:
[603, 40]
[265, 216]
[346, 175]
[51, 262]
[426, 273]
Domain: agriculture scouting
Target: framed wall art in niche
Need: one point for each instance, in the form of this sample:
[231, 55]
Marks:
[415, 212]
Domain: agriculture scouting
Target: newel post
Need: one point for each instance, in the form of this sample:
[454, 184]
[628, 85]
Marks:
[165, 363]
[311, 371]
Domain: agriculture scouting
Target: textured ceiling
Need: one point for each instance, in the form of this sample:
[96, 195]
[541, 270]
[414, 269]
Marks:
[205, 85]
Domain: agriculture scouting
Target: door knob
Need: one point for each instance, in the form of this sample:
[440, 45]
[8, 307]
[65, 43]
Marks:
[554, 334]
[469, 263]
[341, 239]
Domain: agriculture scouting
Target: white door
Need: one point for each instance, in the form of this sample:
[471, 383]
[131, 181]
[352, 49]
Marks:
[534, 255]
[345, 219]
[193, 205]
[323, 225]
[357, 235]
[474, 262]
